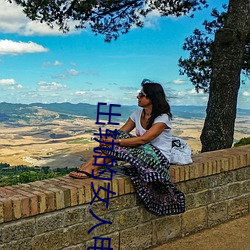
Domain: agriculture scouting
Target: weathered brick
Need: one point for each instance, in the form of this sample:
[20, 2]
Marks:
[41, 201]
[215, 168]
[191, 172]
[248, 159]
[182, 174]
[190, 203]
[63, 197]
[49, 222]
[224, 165]
[18, 230]
[132, 188]
[176, 174]
[77, 183]
[7, 209]
[235, 162]
[51, 240]
[88, 193]
[33, 202]
[6, 192]
[210, 168]
[203, 198]
[238, 206]
[115, 204]
[127, 183]
[115, 187]
[50, 201]
[243, 160]
[186, 172]
[247, 171]
[172, 173]
[16, 203]
[73, 194]
[131, 217]
[59, 198]
[217, 213]
[182, 186]
[76, 215]
[33, 205]
[138, 237]
[114, 240]
[240, 174]
[194, 220]
[78, 233]
[220, 193]
[197, 185]
[24, 244]
[1, 211]
[108, 227]
[166, 228]
[121, 185]
[25, 204]
[76, 247]
[245, 186]
[234, 189]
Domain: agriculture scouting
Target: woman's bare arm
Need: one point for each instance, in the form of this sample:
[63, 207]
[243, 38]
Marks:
[128, 126]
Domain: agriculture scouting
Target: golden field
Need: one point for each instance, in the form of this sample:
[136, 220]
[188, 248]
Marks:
[32, 145]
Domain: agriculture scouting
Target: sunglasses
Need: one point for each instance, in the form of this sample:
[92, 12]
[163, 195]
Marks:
[140, 94]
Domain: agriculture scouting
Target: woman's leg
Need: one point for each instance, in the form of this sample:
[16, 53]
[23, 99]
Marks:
[88, 165]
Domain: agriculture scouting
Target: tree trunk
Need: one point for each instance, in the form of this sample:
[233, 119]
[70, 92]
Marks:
[227, 56]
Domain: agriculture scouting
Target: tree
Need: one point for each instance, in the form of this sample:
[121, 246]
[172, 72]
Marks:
[227, 58]
[113, 17]
[108, 17]
[219, 126]
[198, 66]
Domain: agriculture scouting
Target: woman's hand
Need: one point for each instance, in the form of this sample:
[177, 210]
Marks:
[109, 139]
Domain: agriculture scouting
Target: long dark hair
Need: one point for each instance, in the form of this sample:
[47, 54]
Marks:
[156, 94]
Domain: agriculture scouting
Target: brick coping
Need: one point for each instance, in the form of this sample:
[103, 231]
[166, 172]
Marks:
[39, 197]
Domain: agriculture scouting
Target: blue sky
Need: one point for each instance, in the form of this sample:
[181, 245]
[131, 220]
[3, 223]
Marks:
[38, 64]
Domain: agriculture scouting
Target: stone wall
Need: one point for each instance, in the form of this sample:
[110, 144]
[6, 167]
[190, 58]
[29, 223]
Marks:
[54, 214]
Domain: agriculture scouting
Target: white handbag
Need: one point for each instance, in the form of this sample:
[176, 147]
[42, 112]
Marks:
[180, 152]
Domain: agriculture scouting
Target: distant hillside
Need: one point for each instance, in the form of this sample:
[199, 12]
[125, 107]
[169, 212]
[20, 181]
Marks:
[39, 112]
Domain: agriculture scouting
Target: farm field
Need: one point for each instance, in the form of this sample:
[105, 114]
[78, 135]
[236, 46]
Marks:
[62, 143]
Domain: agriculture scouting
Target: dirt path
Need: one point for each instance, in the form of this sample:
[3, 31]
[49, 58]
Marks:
[233, 235]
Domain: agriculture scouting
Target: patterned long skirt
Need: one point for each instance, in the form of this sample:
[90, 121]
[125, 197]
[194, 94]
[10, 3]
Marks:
[149, 173]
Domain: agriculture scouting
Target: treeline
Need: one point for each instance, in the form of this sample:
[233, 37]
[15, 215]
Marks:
[12, 175]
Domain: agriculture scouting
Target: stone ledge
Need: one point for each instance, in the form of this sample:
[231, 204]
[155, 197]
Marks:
[26, 200]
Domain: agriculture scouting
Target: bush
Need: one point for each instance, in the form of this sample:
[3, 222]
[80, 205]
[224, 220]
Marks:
[242, 142]
[22, 174]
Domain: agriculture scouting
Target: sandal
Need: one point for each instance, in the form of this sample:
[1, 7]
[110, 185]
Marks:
[87, 175]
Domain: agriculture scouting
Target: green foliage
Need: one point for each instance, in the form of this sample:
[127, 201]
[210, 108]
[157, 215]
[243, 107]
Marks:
[109, 17]
[198, 67]
[23, 174]
[242, 142]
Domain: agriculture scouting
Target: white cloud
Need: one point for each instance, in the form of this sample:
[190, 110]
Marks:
[7, 82]
[194, 92]
[51, 86]
[13, 20]
[80, 92]
[246, 93]
[10, 84]
[178, 81]
[55, 63]
[15, 48]
[73, 72]
[19, 86]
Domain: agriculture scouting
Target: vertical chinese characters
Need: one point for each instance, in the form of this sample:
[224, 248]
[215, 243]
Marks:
[101, 160]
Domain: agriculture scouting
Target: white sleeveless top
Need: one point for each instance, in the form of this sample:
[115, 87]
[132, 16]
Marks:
[163, 141]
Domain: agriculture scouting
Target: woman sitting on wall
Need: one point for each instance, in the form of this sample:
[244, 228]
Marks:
[148, 152]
